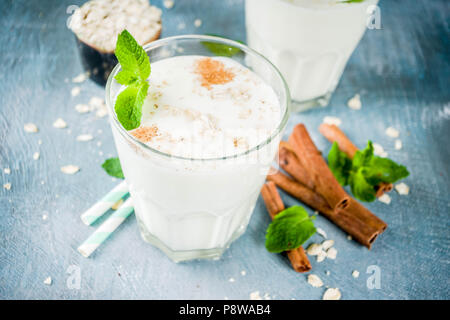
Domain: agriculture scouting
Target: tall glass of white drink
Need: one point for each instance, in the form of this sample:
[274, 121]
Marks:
[310, 41]
[209, 132]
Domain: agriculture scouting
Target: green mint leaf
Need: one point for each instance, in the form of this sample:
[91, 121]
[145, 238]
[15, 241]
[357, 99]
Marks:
[361, 189]
[113, 168]
[340, 164]
[352, 1]
[220, 49]
[129, 103]
[365, 172]
[362, 158]
[132, 57]
[126, 77]
[289, 230]
[384, 170]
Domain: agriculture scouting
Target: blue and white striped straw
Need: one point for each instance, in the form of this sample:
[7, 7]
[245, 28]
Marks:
[97, 210]
[106, 229]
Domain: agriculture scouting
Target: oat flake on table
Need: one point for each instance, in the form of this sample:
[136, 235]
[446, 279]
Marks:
[70, 169]
[84, 137]
[30, 128]
[36, 155]
[7, 186]
[255, 296]
[327, 244]
[355, 102]
[75, 91]
[7, 170]
[315, 281]
[398, 144]
[314, 249]
[331, 253]
[332, 294]
[402, 188]
[392, 132]
[332, 120]
[385, 198]
[60, 123]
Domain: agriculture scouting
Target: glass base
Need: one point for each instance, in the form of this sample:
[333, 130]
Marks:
[186, 255]
[322, 101]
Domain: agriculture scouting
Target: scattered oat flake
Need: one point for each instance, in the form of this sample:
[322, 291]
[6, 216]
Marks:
[355, 274]
[60, 124]
[314, 281]
[392, 132]
[349, 237]
[402, 188]
[331, 253]
[321, 256]
[231, 280]
[243, 273]
[85, 137]
[30, 127]
[101, 113]
[321, 232]
[7, 186]
[266, 296]
[355, 102]
[44, 217]
[255, 296]
[379, 151]
[332, 120]
[82, 108]
[332, 294]
[39, 142]
[168, 4]
[314, 249]
[197, 23]
[81, 77]
[96, 102]
[398, 144]
[385, 198]
[327, 273]
[48, 281]
[7, 170]
[70, 169]
[327, 244]
[36, 155]
[75, 91]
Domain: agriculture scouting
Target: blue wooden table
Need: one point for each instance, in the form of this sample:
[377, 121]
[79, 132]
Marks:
[402, 73]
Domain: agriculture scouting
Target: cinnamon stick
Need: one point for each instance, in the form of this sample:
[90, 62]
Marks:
[355, 219]
[310, 157]
[274, 204]
[289, 162]
[334, 134]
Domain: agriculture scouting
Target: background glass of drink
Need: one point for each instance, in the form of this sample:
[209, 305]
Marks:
[194, 208]
[310, 41]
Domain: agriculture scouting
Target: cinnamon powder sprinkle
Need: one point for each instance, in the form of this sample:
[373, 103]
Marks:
[213, 72]
[145, 134]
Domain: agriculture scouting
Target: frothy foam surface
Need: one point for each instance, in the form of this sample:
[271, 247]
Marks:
[199, 107]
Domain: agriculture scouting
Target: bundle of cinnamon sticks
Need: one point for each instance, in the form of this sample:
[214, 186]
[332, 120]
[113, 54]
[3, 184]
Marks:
[312, 182]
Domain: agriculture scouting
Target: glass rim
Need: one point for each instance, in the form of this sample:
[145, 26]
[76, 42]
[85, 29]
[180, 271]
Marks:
[164, 41]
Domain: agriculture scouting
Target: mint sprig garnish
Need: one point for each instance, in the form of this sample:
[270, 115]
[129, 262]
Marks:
[113, 168]
[289, 229]
[365, 172]
[135, 71]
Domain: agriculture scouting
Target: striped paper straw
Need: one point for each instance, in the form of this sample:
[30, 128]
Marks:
[97, 210]
[106, 229]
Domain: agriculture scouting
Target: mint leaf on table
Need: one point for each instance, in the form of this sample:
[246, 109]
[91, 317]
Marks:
[113, 168]
[135, 69]
[340, 164]
[289, 230]
[364, 172]
[351, 1]
[129, 103]
[220, 49]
